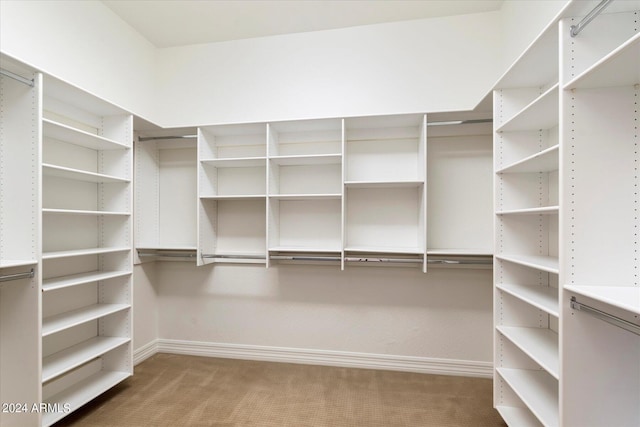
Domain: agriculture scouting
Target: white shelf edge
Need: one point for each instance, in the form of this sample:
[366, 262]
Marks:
[236, 197]
[83, 392]
[575, 82]
[307, 159]
[80, 279]
[305, 249]
[537, 390]
[77, 174]
[544, 97]
[540, 344]
[60, 322]
[541, 297]
[236, 162]
[74, 356]
[82, 212]
[11, 263]
[166, 248]
[520, 165]
[546, 210]
[539, 262]
[327, 196]
[515, 416]
[460, 251]
[383, 184]
[104, 143]
[383, 250]
[82, 252]
[615, 296]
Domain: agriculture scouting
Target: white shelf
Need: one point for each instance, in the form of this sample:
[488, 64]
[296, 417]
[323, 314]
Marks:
[235, 197]
[55, 283]
[383, 184]
[236, 162]
[166, 248]
[540, 262]
[540, 344]
[520, 417]
[79, 175]
[83, 392]
[624, 297]
[82, 212]
[74, 356]
[544, 161]
[61, 132]
[461, 251]
[315, 159]
[305, 196]
[11, 263]
[307, 249]
[546, 210]
[538, 391]
[620, 68]
[544, 298]
[82, 252]
[60, 322]
[542, 113]
[385, 250]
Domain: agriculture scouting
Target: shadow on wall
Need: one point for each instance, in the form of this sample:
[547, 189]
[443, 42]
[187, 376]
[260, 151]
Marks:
[465, 289]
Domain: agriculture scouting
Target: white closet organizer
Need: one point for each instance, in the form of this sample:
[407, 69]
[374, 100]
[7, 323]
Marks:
[305, 189]
[566, 225]
[232, 192]
[385, 186]
[459, 188]
[601, 259]
[86, 247]
[526, 305]
[166, 196]
[20, 294]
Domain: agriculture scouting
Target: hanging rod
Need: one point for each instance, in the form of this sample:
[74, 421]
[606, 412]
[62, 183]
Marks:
[210, 256]
[166, 255]
[382, 259]
[17, 77]
[25, 275]
[155, 138]
[574, 30]
[461, 261]
[304, 258]
[609, 318]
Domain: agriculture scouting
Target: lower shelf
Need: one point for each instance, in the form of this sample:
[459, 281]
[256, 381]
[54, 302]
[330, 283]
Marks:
[74, 356]
[538, 390]
[520, 417]
[80, 393]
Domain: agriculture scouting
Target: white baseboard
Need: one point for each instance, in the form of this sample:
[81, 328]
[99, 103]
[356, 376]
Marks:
[423, 365]
[146, 351]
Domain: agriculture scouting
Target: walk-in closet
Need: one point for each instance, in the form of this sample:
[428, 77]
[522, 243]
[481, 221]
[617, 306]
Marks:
[372, 213]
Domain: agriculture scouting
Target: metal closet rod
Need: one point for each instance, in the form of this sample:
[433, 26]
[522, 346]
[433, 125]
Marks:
[574, 30]
[14, 76]
[156, 138]
[609, 318]
[214, 256]
[166, 255]
[25, 275]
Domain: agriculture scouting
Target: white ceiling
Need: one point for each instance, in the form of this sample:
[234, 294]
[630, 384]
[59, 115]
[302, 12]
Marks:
[167, 23]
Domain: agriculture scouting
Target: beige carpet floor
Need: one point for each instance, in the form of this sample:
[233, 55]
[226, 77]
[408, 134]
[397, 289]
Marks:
[174, 390]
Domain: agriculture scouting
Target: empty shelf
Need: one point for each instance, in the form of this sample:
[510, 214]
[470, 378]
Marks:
[57, 323]
[315, 159]
[624, 297]
[542, 113]
[543, 297]
[538, 390]
[540, 262]
[82, 212]
[74, 356]
[543, 161]
[520, 417]
[82, 252]
[545, 210]
[79, 175]
[80, 279]
[62, 132]
[540, 344]
[383, 184]
[240, 162]
[10, 263]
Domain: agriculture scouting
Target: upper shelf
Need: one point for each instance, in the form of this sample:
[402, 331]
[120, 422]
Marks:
[624, 297]
[315, 159]
[620, 68]
[236, 162]
[543, 161]
[74, 136]
[79, 175]
[382, 184]
[542, 113]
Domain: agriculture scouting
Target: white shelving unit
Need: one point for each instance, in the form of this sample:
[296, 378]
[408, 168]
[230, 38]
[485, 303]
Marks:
[20, 296]
[385, 209]
[304, 212]
[601, 264]
[166, 189]
[566, 225]
[526, 297]
[232, 192]
[86, 164]
[459, 185]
